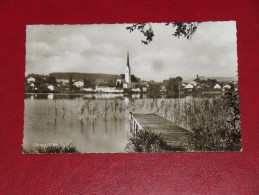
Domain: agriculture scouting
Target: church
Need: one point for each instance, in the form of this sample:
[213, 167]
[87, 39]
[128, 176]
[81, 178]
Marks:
[127, 80]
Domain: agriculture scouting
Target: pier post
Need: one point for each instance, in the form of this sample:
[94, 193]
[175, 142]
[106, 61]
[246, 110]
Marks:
[131, 121]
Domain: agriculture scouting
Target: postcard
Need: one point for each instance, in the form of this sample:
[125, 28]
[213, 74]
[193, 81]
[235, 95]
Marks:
[125, 88]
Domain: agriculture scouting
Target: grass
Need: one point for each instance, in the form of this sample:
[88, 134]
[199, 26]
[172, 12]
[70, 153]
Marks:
[213, 122]
[52, 149]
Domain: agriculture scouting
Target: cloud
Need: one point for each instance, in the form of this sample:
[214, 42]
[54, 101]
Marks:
[74, 43]
[103, 48]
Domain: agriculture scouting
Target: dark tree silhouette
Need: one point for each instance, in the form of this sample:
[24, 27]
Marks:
[173, 84]
[70, 83]
[182, 29]
[51, 80]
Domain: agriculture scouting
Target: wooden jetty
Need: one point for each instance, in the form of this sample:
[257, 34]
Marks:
[172, 133]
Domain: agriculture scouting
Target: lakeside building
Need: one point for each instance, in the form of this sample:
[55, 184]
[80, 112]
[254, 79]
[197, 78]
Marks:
[127, 80]
[79, 84]
[31, 79]
[217, 86]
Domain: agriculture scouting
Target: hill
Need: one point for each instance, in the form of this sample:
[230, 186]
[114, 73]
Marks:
[79, 76]
[220, 79]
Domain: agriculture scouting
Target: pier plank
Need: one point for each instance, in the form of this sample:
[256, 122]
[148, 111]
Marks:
[157, 124]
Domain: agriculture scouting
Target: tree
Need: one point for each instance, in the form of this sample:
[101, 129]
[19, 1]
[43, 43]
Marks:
[212, 82]
[182, 29]
[51, 80]
[173, 84]
[39, 81]
[88, 83]
[70, 83]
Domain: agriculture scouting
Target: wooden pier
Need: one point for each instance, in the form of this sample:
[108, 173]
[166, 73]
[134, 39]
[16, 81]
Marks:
[172, 133]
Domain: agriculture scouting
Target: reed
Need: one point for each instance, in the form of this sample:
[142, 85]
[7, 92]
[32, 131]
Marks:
[213, 122]
[51, 149]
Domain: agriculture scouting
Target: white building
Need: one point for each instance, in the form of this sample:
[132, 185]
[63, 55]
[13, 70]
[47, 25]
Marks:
[227, 87]
[79, 83]
[193, 83]
[31, 79]
[62, 81]
[217, 86]
[88, 89]
[189, 86]
[51, 87]
[108, 89]
[136, 89]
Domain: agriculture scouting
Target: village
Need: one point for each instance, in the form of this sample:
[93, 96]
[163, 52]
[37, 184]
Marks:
[46, 84]
[123, 83]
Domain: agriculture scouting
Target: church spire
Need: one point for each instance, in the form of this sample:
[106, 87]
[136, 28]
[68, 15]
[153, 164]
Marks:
[128, 58]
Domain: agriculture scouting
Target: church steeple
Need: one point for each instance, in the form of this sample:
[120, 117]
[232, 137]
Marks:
[128, 58]
[128, 73]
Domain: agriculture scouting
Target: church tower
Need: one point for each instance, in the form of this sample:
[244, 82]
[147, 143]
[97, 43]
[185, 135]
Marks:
[128, 73]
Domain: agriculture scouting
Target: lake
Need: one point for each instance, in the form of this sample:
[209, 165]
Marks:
[94, 123]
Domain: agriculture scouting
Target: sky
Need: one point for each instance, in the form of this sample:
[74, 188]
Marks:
[102, 48]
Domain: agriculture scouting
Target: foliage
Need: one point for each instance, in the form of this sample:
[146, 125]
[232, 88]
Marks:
[181, 30]
[145, 29]
[147, 141]
[88, 83]
[70, 83]
[211, 82]
[36, 75]
[79, 76]
[154, 88]
[216, 127]
[173, 84]
[184, 29]
[52, 149]
[213, 122]
[43, 88]
[51, 80]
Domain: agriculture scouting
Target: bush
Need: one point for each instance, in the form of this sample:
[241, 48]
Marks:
[52, 149]
[147, 141]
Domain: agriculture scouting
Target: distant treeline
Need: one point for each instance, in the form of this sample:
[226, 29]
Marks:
[81, 76]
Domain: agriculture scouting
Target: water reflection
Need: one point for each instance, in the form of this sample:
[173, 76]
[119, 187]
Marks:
[103, 96]
[126, 100]
[97, 96]
[50, 96]
[73, 121]
[88, 121]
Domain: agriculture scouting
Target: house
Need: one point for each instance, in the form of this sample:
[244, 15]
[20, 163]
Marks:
[79, 84]
[217, 86]
[136, 89]
[193, 83]
[189, 86]
[51, 87]
[63, 81]
[226, 87]
[127, 80]
[144, 89]
[107, 89]
[88, 89]
[31, 79]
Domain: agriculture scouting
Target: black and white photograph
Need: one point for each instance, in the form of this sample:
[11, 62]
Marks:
[131, 88]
